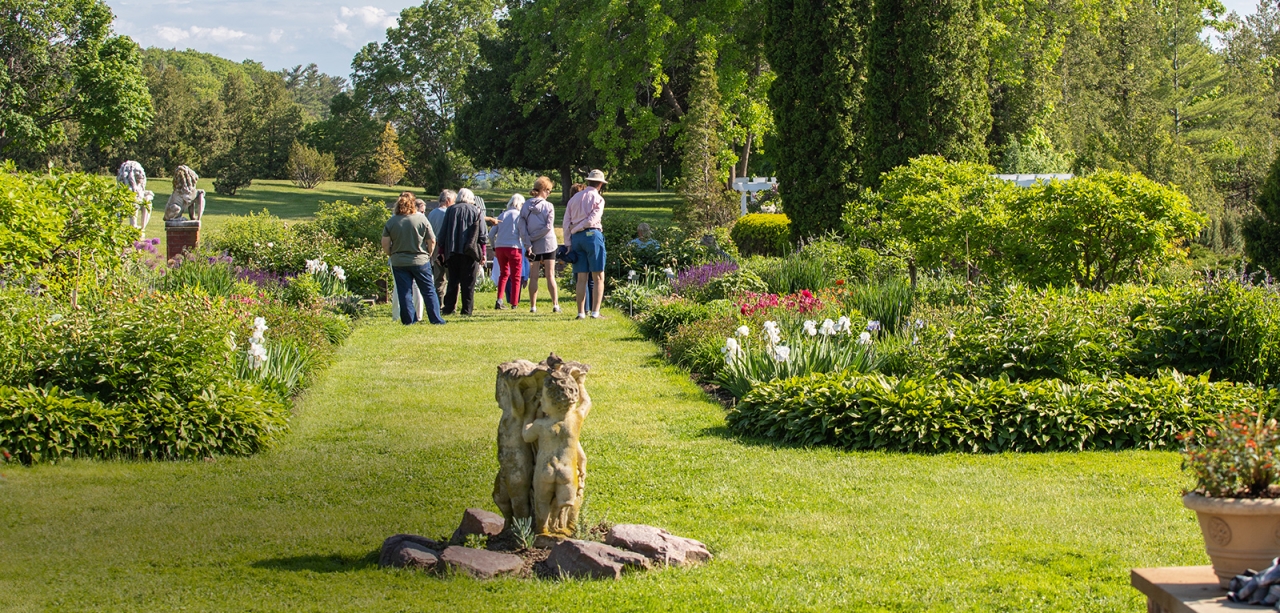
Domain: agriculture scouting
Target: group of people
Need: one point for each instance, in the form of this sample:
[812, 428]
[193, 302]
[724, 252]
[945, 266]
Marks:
[441, 253]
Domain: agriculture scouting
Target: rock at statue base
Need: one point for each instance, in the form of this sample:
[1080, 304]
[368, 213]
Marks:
[657, 544]
[547, 541]
[573, 558]
[479, 522]
[410, 551]
[480, 563]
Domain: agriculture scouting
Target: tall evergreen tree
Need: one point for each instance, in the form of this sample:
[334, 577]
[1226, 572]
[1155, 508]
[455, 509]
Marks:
[815, 49]
[707, 203]
[926, 83]
[1262, 229]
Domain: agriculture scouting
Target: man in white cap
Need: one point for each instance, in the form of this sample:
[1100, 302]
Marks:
[583, 236]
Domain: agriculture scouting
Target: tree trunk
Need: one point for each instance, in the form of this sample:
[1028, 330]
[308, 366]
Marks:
[746, 154]
[911, 270]
[659, 178]
[733, 175]
[566, 179]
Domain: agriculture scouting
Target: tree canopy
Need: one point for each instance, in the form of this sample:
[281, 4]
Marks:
[64, 67]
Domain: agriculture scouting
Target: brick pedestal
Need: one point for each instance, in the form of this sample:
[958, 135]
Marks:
[181, 237]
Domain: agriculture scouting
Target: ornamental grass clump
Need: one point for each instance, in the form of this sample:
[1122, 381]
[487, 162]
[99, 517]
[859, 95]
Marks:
[1237, 458]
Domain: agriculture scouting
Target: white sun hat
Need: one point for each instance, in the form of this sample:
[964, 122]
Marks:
[597, 176]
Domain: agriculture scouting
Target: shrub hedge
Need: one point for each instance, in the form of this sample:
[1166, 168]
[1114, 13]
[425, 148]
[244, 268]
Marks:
[931, 414]
[763, 234]
[1219, 327]
[47, 424]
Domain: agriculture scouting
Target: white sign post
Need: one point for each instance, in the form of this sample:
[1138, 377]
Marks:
[750, 186]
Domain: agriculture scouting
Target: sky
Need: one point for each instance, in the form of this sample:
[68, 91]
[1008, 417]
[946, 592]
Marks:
[278, 33]
[286, 33]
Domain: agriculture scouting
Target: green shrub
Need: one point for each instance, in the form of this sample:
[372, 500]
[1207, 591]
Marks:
[733, 285]
[307, 167]
[123, 349]
[261, 241]
[763, 234]
[302, 291]
[929, 414]
[42, 425]
[1222, 327]
[1096, 231]
[355, 225]
[697, 345]
[61, 226]
[232, 178]
[839, 259]
[665, 318]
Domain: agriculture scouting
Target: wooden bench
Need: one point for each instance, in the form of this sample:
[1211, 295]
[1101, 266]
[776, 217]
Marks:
[1184, 589]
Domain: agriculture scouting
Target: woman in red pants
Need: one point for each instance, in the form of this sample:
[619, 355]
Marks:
[507, 249]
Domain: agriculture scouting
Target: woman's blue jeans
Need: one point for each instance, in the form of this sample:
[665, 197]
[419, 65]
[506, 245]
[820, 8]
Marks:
[406, 276]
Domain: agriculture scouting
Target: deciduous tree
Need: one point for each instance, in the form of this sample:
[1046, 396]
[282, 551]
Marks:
[61, 66]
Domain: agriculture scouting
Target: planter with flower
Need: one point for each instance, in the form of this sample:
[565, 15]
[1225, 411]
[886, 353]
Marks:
[1236, 498]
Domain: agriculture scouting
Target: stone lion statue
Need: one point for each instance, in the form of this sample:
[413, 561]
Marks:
[185, 197]
[132, 176]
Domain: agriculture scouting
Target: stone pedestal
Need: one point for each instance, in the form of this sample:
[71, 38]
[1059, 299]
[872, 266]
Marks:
[1184, 589]
[180, 236]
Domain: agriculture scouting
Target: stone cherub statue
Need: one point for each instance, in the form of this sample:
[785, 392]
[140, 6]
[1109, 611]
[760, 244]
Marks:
[560, 467]
[542, 469]
[517, 391]
[185, 197]
[132, 176]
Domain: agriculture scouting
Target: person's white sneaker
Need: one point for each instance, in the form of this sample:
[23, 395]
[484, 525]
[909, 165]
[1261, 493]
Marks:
[533, 309]
[555, 308]
[582, 316]
[596, 315]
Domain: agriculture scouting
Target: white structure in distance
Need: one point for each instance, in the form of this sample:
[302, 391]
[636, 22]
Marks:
[1029, 180]
[750, 186]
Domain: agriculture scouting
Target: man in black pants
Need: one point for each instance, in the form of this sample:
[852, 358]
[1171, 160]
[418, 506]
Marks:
[461, 237]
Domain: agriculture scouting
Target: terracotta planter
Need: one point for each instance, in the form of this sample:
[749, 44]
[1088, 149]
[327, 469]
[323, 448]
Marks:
[1239, 533]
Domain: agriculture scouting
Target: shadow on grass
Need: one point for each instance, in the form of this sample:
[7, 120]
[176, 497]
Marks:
[332, 563]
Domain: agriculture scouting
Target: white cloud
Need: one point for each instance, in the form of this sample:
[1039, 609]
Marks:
[370, 16]
[219, 34]
[276, 35]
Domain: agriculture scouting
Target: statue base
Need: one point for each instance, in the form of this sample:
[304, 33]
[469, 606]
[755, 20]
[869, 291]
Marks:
[181, 235]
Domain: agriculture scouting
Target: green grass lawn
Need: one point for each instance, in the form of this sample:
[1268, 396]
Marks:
[398, 436]
[284, 199]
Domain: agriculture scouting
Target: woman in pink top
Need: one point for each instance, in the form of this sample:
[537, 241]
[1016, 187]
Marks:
[583, 236]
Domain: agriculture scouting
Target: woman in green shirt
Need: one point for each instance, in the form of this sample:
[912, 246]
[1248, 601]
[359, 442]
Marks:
[408, 239]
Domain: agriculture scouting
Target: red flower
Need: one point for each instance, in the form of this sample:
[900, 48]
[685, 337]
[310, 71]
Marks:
[839, 281]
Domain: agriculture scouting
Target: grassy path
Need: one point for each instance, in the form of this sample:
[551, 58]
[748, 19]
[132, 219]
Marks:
[398, 436]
